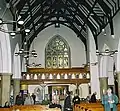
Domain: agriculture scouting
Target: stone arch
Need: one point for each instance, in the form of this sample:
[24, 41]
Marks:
[16, 64]
[6, 66]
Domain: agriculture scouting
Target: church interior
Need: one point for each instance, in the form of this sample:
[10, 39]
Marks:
[51, 47]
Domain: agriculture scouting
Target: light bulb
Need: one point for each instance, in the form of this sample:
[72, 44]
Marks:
[20, 22]
[25, 43]
[12, 33]
[1, 21]
[27, 30]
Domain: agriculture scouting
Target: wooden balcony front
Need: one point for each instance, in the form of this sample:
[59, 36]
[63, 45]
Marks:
[55, 76]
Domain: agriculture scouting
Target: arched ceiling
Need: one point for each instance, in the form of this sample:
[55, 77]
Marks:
[75, 14]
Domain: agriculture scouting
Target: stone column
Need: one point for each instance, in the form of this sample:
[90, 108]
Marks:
[103, 85]
[118, 78]
[16, 88]
[5, 87]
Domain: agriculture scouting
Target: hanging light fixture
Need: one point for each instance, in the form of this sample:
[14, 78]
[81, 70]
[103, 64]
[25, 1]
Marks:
[107, 52]
[26, 54]
[17, 24]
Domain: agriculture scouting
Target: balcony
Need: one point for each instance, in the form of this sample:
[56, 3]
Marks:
[56, 76]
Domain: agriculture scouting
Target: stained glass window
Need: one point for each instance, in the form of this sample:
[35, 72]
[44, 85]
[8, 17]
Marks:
[57, 53]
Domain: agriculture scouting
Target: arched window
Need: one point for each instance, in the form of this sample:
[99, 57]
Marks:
[57, 53]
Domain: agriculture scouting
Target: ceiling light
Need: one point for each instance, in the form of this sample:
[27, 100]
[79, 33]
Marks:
[111, 55]
[105, 34]
[25, 43]
[1, 21]
[97, 52]
[27, 30]
[16, 54]
[33, 51]
[103, 30]
[116, 51]
[107, 50]
[20, 51]
[25, 56]
[20, 22]
[57, 25]
[113, 36]
[13, 37]
[35, 55]
[12, 33]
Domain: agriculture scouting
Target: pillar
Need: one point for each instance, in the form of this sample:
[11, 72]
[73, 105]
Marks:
[77, 89]
[118, 78]
[103, 85]
[16, 88]
[5, 87]
[93, 61]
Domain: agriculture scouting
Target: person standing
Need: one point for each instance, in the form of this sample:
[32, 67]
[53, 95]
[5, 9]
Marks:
[76, 99]
[34, 97]
[19, 99]
[28, 100]
[6, 105]
[93, 98]
[67, 102]
[109, 101]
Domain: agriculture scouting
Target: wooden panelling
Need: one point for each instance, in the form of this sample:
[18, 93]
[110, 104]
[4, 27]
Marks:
[66, 70]
[30, 108]
[57, 81]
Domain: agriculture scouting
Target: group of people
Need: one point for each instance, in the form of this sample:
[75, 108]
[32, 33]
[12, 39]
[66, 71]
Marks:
[109, 100]
[27, 100]
[67, 102]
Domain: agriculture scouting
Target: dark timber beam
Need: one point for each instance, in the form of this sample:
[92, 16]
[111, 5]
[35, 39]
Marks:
[72, 28]
[81, 15]
[37, 14]
[35, 4]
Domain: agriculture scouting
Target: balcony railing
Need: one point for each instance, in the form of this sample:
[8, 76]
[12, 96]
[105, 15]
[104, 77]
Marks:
[38, 76]
[40, 73]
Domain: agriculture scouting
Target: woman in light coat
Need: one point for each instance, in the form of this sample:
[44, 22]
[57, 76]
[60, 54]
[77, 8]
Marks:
[110, 101]
[28, 100]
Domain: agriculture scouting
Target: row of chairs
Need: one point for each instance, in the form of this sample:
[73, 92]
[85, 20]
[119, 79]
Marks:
[91, 107]
[29, 108]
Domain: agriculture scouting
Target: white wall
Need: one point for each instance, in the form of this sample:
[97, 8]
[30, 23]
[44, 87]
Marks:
[10, 44]
[78, 56]
[112, 43]
[84, 90]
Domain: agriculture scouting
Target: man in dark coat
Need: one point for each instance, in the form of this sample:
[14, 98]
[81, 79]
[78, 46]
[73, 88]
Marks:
[76, 99]
[67, 102]
[19, 99]
[93, 98]
[34, 97]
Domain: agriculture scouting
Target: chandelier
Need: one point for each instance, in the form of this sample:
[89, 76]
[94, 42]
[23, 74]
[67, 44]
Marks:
[16, 25]
[32, 65]
[107, 52]
[26, 54]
